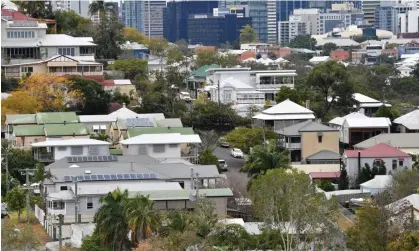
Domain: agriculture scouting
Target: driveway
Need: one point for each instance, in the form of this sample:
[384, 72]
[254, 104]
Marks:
[236, 179]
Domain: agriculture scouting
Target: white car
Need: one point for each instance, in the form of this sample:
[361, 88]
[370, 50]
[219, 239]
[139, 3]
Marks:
[236, 153]
[185, 96]
[222, 165]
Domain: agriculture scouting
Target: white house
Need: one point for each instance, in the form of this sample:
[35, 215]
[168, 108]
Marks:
[319, 60]
[377, 185]
[356, 129]
[98, 124]
[53, 150]
[404, 70]
[405, 142]
[284, 114]
[369, 105]
[235, 91]
[408, 123]
[392, 158]
[160, 146]
[338, 122]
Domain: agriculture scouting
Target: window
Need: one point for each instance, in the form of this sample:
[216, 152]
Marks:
[89, 203]
[320, 139]
[378, 161]
[142, 149]
[66, 51]
[27, 69]
[58, 205]
[62, 148]
[76, 150]
[63, 188]
[173, 145]
[93, 150]
[160, 148]
[182, 184]
[227, 96]
[394, 166]
[401, 162]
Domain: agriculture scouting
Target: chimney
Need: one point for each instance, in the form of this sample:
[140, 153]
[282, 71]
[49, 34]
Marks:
[65, 122]
[123, 105]
[308, 104]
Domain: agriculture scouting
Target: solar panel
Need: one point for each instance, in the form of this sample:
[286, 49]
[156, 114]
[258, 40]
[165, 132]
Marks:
[140, 176]
[120, 176]
[153, 176]
[107, 177]
[126, 176]
[94, 177]
[100, 177]
[68, 178]
[114, 177]
[87, 177]
[146, 176]
[139, 122]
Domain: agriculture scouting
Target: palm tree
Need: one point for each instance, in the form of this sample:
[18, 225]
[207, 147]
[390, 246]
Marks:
[111, 221]
[141, 217]
[262, 159]
[101, 7]
[30, 8]
[177, 221]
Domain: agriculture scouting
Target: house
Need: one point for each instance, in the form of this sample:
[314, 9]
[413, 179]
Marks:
[282, 115]
[15, 120]
[124, 86]
[164, 146]
[319, 60]
[392, 158]
[404, 70]
[369, 105]
[235, 91]
[169, 184]
[356, 130]
[136, 50]
[266, 81]
[409, 204]
[53, 150]
[338, 122]
[377, 185]
[405, 142]
[99, 124]
[311, 142]
[340, 55]
[408, 123]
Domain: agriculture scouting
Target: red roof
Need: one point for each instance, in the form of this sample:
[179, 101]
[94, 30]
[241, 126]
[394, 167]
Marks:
[114, 106]
[16, 15]
[324, 175]
[108, 83]
[381, 150]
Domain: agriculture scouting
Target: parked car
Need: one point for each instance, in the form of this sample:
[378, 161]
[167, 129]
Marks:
[4, 212]
[236, 153]
[222, 165]
[185, 96]
[223, 143]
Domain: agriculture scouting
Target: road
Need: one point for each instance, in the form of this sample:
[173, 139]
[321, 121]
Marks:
[237, 180]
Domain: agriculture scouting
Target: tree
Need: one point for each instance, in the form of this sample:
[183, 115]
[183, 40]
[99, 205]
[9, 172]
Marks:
[327, 78]
[285, 93]
[31, 8]
[8, 84]
[263, 159]
[244, 138]
[121, 98]
[17, 159]
[286, 200]
[206, 157]
[95, 100]
[109, 37]
[209, 139]
[131, 67]
[102, 8]
[328, 48]
[39, 177]
[21, 102]
[248, 35]
[343, 182]
[303, 41]
[174, 54]
[133, 35]
[111, 220]
[227, 60]
[231, 237]
[387, 112]
[362, 38]
[205, 57]
[94, 243]
[141, 217]
[404, 183]
[100, 136]
[16, 200]
[415, 71]
[71, 23]
[407, 242]
[158, 47]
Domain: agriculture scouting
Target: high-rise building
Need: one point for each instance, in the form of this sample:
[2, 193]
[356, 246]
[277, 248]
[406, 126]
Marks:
[386, 19]
[285, 8]
[214, 30]
[368, 7]
[81, 7]
[176, 14]
[272, 22]
[144, 15]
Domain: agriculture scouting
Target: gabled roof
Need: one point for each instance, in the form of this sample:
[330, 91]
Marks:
[56, 117]
[287, 107]
[96, 118]
[28, 130]
[13, 119]
[63, 40]
[132, 132]
[164, 138]
[202, 71]
[306, 126]
[409, 120]
[379, 182]
[380, 150]
[398, 140]
[340, 120]
[235, 83]
[123, 113]
[368, 122]
[412, 199]
[70, 142]
[65, 130]
[324, 155]
[361, 98]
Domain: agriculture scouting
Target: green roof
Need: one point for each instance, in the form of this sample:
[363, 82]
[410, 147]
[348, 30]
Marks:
[115, 151]
[14, 119]
[28, 130]
[201, 72]
[65, 130]
[183, 194]
[56, 117]
[132, 132]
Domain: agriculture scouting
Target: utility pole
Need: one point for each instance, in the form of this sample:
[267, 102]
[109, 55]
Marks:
[219, 94]
[60, 231]
[6, 158]
[27, 171]
[76, 201]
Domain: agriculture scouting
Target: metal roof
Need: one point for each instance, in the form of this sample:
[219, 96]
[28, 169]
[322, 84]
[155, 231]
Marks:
[70, 142]
[163, 138]
[235, 83]
[183, 194]
[65, 130]
[367, 122]
[99, 189]
[172, 122]
[409, 120]
[340, 120]
[379, 181]
[28, 130]
[132, 132]
[309, 168]
[56, 117]
[63, 40]
[324, 155]
[294, 129]
[380, 150]
[398, 140]
[96, 118]
[20, 119]
[287, 107]
[263, 116]
[306, 126]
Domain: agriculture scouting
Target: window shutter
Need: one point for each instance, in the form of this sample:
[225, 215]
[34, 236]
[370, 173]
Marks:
[142, 149]
[93, 150]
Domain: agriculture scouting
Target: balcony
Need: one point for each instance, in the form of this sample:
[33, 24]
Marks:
[291, 145]
[43, 157]
[251, 101]
[274, 86]
[95, 73]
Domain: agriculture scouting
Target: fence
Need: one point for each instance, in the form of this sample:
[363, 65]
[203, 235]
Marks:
[40, 215]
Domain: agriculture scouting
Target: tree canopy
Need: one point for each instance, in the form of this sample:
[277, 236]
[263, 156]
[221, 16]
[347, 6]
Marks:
[328, 47]
[303, 41]
[71, 23]
[95, 100]
[109, 37]
[244, 138]
[133, 35]
[131, 67]
[248, 35]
